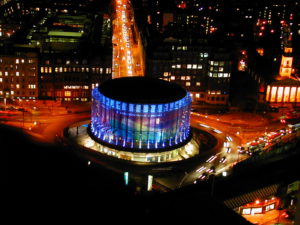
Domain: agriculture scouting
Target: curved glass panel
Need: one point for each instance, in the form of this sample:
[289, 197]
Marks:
[141, 126]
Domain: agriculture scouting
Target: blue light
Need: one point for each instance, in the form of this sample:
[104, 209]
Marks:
[143, 126]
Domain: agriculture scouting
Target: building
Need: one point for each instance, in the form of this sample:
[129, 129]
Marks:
[19, 76]
[67, 77]
[283, 92]
[131, 121]
[204, 71]
[286, 65]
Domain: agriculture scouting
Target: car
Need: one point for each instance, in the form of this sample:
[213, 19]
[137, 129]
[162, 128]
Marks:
[228, 150]
[223, 159]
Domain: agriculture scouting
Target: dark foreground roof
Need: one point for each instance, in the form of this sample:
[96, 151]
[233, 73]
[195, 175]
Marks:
[46, 184]
[142, 90]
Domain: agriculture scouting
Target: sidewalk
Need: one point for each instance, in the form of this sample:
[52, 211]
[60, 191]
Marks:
[269, 218]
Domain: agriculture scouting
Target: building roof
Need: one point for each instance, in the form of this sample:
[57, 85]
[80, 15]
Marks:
[286, 82]
[142, 90]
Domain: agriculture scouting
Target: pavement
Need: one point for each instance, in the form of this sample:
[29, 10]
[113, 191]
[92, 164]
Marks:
[269, 218]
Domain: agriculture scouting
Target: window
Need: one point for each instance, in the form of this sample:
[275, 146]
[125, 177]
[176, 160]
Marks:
[188, 84]
[17, 61]
[246, 211]
[6, 73]
[172, 77]
[68, 93]
[31, 86]
[1, 79]
[198, 83]
[17, 74]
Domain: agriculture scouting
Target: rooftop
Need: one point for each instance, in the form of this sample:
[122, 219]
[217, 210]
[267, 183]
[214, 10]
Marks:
[142, 90]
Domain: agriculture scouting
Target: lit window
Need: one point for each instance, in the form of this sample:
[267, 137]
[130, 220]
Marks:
[31, 86]
[17, 74]
[1, 79]
[17, 61]
[108, 70]
[199, 66]
[188, 84]
[166, 74]
[12, 92]
[188, 77]
[182, 78]
[246, 211]
[6, 73]
[22, 60]
[18, 86]
[0, 73]
[194, 66]
[198, 83]
[68, 93]
[172, 77]
[189, 66]
[221, 69]
[178, 66]
[197, 95]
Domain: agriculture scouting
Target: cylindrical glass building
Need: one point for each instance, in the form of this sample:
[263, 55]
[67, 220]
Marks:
[139, 113]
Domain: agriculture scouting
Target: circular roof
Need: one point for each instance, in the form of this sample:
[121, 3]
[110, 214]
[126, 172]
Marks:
[143, 90]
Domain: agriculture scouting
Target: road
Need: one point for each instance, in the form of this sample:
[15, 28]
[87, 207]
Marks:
[127, 46]
[220, 159]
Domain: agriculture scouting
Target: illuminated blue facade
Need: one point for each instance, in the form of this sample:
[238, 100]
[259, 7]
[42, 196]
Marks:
[140, 126]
